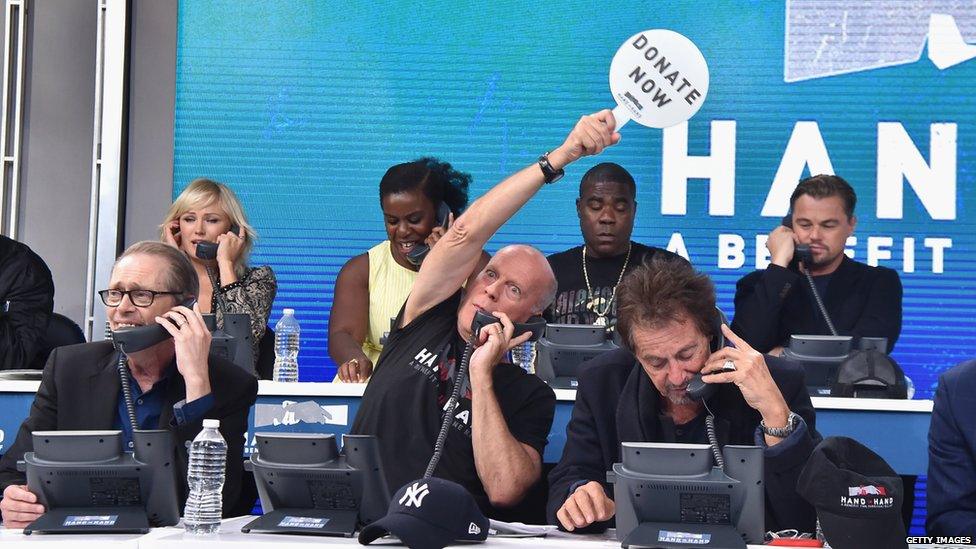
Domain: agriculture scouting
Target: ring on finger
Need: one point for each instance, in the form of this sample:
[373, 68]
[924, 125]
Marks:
[729, 365]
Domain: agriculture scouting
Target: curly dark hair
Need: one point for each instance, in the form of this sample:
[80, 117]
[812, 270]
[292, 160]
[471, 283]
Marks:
[822, 186]
[661, 290]
[439, 181]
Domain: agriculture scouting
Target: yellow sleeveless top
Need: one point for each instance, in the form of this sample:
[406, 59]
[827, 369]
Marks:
[389, 285]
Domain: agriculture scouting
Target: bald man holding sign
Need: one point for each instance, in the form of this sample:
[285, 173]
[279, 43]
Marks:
[499, 429]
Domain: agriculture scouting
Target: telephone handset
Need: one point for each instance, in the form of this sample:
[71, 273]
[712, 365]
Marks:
[131, 340]
[419, 252]
[536, 325]
[208, 250]
[801, 252]
[697, 388]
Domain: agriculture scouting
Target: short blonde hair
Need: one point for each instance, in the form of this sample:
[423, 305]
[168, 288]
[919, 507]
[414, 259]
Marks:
[203, 192]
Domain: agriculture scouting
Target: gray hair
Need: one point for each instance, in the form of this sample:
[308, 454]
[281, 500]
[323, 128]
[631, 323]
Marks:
[181, 277]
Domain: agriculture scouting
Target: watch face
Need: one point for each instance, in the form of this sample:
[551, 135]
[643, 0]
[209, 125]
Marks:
[550, 175]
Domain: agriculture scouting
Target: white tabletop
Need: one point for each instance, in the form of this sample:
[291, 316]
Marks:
[276, 388]
[230, 533]
[15, 539]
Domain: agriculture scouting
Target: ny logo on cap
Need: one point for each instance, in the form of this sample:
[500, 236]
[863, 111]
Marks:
[415, 495]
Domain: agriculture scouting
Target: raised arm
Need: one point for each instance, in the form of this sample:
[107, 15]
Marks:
[453, 259]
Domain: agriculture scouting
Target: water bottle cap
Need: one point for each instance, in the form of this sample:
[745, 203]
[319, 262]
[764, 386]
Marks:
[211, 423]
[289, 311]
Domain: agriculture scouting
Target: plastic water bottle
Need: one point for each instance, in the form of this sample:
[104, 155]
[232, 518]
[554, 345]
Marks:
[524, 356]
[287, 332]
[909, 388]
[205, 476]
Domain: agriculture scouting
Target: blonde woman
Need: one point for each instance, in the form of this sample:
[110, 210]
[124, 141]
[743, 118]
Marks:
[208, 211]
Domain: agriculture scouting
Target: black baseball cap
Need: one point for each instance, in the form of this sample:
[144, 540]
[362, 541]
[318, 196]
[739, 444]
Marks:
[430, 513]
[869, 374]
[857, 495]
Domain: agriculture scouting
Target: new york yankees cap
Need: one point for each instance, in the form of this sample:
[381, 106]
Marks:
[430, 513]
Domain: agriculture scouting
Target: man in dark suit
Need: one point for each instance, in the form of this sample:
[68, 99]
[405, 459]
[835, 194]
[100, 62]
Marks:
[667, 317]
[775, 303]
[951, 488]
[175, 384]
[26, 304]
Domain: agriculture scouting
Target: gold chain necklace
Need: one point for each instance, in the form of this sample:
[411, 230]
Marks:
[596, 302]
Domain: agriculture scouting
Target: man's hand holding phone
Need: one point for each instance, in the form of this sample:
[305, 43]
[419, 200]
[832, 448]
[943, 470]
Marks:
[192, 340]
[750, 374]
[781, 245]
[494, 340]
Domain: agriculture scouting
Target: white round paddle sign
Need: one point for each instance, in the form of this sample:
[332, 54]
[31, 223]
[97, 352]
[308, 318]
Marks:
[659, 78]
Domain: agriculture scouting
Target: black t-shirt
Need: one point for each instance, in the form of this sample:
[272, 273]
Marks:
[574, 304]
[405, 397]
[821, 282]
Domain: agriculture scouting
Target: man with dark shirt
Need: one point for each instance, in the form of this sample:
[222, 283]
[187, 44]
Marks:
[498, 431]
[587, 276]
[26, 304]
[669, 320]
[174, 383]
[775, 303]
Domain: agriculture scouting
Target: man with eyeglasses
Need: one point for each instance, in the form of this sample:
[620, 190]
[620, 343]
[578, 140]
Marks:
[175, 383]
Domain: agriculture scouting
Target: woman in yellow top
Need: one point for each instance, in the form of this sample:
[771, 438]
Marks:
[372, 287]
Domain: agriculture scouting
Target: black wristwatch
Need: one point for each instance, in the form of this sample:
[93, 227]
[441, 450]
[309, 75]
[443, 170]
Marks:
[551, 175]
[792, 421]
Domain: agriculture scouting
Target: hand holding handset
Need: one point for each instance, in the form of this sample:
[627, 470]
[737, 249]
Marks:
[801, 252]
[131, 340]
[697, 388]
[208, 250]
[419, 252]
[536, 325]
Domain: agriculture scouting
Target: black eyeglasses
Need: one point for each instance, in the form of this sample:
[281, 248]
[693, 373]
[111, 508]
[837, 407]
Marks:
[139, 298]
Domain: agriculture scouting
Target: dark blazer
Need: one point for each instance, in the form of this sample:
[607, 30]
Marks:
[616, 402]
[80, 390]
[775, 303]
[951, 488]
[27, 294]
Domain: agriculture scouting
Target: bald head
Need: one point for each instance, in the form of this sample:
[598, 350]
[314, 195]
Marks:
[542, 284]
